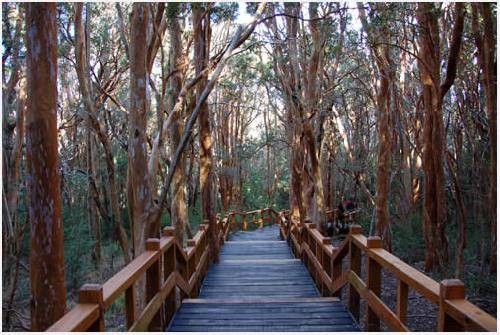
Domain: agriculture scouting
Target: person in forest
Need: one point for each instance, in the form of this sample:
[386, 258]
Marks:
[330, 224]
[350, 205]
[341, 216]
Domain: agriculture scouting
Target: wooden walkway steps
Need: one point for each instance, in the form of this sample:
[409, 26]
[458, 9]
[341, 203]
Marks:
[259, 286]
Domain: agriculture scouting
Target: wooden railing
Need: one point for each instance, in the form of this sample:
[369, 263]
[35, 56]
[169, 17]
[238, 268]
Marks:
[324, 262]
[252, 220]
[165, 265]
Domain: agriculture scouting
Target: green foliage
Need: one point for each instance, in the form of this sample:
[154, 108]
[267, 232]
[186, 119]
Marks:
[224, 11]
[251, 7]
[408, 242]
[77, 248]
[173, 10]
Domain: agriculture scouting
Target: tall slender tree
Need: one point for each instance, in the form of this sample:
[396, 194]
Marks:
[378, 38]
[47, 270]
[434, 90]
[486, 55]
[82, 65]
[12, 143]
[178, 211]
[139, 192]
[202, 36]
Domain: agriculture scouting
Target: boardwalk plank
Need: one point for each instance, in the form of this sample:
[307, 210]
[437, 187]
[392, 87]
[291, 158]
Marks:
[264, 328]
[235, 320]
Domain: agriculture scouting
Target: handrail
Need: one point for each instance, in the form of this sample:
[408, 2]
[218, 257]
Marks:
[166, 265]
[94, 300]
[324, 263]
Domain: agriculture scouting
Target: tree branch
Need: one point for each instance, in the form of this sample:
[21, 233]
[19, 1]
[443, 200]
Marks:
[454, 52]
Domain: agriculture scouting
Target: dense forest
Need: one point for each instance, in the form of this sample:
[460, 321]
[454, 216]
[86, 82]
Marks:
[121, 118]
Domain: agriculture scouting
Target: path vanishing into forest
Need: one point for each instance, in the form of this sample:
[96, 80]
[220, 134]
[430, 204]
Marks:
[271, 274]
[258, 285]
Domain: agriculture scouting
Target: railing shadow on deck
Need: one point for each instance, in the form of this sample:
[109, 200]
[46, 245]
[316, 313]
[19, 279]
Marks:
[167, 266]
[324, 262]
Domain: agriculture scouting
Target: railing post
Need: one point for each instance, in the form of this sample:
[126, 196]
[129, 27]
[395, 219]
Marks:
[326, 264]
[336, 271]
[261, 220]
[153, 283]
[354, 266]
[130, 311]
[308, 224]
[373, 270]
[192, 267]
[245, 222]
[169, 260]
[283, 231]
[203, 246]
[313, 245]
[230, 225]
[449, 289]
[206, 223]
[307, 239]
[402, 300]
[181, 266]
[300, 237]
[288, 225]
[92, 294]
[221, 230]
[238, 224]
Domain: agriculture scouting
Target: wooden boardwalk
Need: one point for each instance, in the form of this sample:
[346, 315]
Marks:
[259, 286]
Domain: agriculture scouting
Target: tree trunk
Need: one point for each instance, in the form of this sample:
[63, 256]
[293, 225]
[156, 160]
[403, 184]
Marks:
[12, 144]
[139, 180]
[383, 227]
[381, 57]
[434, 137]
[121, 28]
[311, 102]
[179, 215]
[486, 59]
[296, 205]
[201, 27]
[47, 269]
[83, 74]
[462, 218]
[12, 180]
[13, 244]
